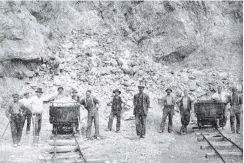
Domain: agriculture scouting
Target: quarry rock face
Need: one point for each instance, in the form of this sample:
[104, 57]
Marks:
[107, 45]
[21, 37]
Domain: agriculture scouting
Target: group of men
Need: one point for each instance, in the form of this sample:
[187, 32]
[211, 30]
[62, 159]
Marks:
[18, 111]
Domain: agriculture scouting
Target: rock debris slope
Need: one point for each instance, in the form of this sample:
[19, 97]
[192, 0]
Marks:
[107, 45]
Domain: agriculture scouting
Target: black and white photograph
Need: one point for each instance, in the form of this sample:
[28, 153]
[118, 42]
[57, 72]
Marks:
[121, 81]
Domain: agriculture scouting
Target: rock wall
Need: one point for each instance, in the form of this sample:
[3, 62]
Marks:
[106, 45]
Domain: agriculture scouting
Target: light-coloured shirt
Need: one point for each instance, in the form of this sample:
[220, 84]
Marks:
[169, 100]
[24, 101]
[222, 97]
[185, 102]
[36, 104]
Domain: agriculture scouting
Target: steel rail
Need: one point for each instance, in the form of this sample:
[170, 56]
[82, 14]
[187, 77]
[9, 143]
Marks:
[229, 140]
[79, 149]
[213, 148]
[55, 150]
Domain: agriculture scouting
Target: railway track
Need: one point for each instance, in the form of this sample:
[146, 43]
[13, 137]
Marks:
[65, 149]
[223, 147]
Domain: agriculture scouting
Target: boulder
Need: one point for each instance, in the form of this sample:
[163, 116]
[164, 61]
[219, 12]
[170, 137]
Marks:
[119, 61]
[128, 116]
[127, 70]
[223, 75]
[192, 86]
[23, 39]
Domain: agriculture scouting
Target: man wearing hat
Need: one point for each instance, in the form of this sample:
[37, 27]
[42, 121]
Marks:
[141, 104]
[14, 113]
[116, 110]
[91, 104]
[169, 103]
[27, 113]
[37, 107]
[221, 96]
[235, 101]
[185, 111]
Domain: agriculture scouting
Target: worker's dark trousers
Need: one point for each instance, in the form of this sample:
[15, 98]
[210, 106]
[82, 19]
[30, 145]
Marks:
[168, 111]
[140, 124]
[185, 119]
[110, 121]
[16, 121]
[235, 114]
[27, 118]
[94, 117]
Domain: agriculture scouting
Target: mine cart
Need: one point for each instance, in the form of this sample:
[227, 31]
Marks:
[208, 112]
[65, 117]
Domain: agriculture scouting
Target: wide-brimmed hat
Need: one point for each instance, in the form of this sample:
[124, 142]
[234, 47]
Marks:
[15, 94]
[26, 93]
[74, 91]
[142, 84]
[61, 88]
[117, 90]
[169, 90]
[39, 90]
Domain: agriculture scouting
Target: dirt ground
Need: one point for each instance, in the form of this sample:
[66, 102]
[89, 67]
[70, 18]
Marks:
[120, 147]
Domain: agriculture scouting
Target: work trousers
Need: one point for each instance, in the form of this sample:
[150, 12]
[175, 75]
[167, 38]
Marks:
[16, 121]
[111, 118]
[92, 117]
[167, 112]
[235, 114]
[27, 118]
[37, 123]
[185, 119]
[140, 124]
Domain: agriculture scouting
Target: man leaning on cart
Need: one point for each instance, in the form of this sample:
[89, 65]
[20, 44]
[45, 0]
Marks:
[36, 106]
[220, 96]
[91, 104]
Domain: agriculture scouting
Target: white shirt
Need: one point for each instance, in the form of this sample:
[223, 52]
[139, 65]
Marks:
[36, 104]
[223, 97]
[185, 102]
[24, 102]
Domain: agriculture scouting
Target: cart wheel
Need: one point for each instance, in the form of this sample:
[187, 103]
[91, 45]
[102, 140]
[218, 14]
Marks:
[199, 124]
[74, 128]
[55, 130]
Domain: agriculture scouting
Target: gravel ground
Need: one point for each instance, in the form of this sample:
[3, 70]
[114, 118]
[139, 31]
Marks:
[123, 146]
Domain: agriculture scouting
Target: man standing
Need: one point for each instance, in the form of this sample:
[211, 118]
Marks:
[116, 110]
[36, 106]
[141, 104]
[185, 109]
[222, 97]
[235, 110]
[76, 98]
[169, 103]
[27, 113]
[74, 95]
[14, 114]
[91, 104]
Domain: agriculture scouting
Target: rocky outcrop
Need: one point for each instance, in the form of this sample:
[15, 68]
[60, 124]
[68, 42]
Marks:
[108, 45]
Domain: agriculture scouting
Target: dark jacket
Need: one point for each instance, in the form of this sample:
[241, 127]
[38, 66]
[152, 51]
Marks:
[189, 102]
[146, 103]
[236, 101]
[117, 105]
